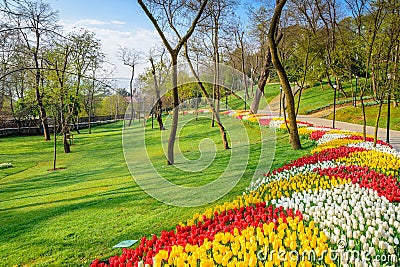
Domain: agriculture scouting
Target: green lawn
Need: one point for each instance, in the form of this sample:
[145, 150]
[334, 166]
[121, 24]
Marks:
[71, 216]
[354, 115]
[314, 98]
[271, 90]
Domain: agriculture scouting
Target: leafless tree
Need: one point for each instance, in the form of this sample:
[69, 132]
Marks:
[130, 57]
[157, 77]
[272, 37]
[168, 12]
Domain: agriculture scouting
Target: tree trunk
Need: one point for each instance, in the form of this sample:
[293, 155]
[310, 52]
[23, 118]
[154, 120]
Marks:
[298, 101]
[303, 81]
[1, 98]
[91, 96]
[158, 105]
[263, 79]
[244, 77]
[217, 72]
[42, 110]
[321, 84]
[364, 115]
[373, 81]
[75, 124]
[159, 113]
[257, 97]
[55, 144]
[131, 92]
[294, 134]
[67, 147]
[89, 122]
[175, 113]
[339, 85]
[378, 116]
[43, 119]
[74, 104]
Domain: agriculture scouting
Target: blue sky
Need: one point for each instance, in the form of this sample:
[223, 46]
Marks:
[117, 23]
[128, 11]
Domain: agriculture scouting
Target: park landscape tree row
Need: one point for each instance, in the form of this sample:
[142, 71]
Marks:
[316, 41]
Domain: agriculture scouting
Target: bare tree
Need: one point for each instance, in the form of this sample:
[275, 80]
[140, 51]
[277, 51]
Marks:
[239, 39]
[263, 78]
[130, 57]
[218, 13]
[293, 131]
[95, 66]
[157, 77]
[208, 99]
[168, 12]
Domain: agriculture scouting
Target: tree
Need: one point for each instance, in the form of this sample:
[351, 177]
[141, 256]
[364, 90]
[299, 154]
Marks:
[34, 21]
[239, 39]
[86, 56]
[293, 131]
[60, 58]
[218, 13]
[171, 10]
[260, 29]
[92, 84]
[156, 78]
[130, 57]
[210, 103]
[384, 59]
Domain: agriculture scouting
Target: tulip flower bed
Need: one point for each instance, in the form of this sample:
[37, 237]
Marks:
[338, 206]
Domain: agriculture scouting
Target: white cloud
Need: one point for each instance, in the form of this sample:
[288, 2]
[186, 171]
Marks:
[116, 34]
[117, 22]
[91, 22]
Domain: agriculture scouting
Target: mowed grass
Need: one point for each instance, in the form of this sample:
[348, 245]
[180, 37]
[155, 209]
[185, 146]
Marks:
[71, 216]
[314, 98]
[271, 90]
[354, 115]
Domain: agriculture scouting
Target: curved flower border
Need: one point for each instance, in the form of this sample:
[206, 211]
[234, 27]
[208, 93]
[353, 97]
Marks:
[343, 197]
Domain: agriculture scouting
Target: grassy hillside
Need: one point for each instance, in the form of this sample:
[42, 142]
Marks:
[71, 216]
[354, 115]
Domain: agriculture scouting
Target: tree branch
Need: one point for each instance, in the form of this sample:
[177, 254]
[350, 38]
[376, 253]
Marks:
[154, 21]
[192, 27]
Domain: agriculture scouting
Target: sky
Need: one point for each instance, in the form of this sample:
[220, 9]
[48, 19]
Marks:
[117, 23]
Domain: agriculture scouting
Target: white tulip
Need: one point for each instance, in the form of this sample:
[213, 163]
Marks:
[363, 239]
[372, 251]
[336, 231]
[375, 263]
[351, 243]
[368, 235]
[382, 245]
[349, 234]
[378, 234]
